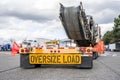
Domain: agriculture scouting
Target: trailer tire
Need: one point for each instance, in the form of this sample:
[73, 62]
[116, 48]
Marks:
[37, 65]
[24, 62]
[95, 55]
[87, 63]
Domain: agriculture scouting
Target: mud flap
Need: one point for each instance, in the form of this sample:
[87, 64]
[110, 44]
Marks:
[24, 62]
[87, 63]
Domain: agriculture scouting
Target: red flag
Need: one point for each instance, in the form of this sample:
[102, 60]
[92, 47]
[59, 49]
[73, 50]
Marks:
[15, 48]
[99, 47]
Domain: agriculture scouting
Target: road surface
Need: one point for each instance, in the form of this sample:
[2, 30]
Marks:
[106, 67]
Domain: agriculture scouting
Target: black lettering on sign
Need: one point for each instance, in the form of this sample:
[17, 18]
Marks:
[64, 59]
[58, 59]
[77, 59]
[73, 59]
[53, 59]
[32, 59]
[35, 59]
[39, 59]
[48, 59]
[44, 59]
[68, 59]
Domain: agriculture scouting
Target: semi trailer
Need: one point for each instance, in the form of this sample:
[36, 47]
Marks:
[80, 28]
[113, 47]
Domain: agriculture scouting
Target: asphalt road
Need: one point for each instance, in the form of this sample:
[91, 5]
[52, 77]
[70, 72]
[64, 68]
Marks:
[106, 67]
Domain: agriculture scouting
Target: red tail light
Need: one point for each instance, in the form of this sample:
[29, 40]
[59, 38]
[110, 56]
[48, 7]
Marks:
[40, 47]
[88, 50]
[83, 49]
[36, 47]
[51, 51]
[54, 51]
[58, 51]
[22, 50]
[26, 50]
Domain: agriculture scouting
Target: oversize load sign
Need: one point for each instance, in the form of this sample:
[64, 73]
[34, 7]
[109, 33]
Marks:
[55, 58]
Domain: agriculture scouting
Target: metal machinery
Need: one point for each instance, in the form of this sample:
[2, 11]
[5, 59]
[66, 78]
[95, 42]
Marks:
[79, 28]
[78, 25]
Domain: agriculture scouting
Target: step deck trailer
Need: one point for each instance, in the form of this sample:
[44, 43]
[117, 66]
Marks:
[79, 28]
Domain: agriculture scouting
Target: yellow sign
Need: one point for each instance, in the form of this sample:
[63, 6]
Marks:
[55, 58]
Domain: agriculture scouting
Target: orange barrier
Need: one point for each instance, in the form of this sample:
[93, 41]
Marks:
[15, 49]
[99, 47]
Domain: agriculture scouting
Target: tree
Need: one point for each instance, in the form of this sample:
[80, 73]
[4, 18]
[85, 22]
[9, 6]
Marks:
[107, 37]
[116, 29]
[114, 35]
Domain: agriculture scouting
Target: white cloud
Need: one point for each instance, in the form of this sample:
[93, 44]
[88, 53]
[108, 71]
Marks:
[20, 29]
[40, 18]
[106, 27]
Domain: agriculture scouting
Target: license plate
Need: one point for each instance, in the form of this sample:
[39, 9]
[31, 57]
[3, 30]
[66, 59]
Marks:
[55, 58]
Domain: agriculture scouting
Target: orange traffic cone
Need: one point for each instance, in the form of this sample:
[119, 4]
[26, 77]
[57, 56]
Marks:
[99, 47]
[102, 46]
[15, 49]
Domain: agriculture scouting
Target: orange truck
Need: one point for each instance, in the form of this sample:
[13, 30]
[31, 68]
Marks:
[80, 28]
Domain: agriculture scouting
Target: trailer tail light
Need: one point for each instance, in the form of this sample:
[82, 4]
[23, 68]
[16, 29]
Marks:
[83, 49]
[22, 50]
[58, 51]
[51, 51]
[26, 50]
[37, 48]
[40, 47]
[54, 51]
[86, 49]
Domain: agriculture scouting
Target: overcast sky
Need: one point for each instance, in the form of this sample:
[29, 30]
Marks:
[21, 19]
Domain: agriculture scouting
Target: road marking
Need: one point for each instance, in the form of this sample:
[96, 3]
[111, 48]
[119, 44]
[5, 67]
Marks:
[114, 55]
[9, 69]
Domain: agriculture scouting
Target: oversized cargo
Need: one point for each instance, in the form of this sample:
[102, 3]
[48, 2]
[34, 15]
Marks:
[78, 26]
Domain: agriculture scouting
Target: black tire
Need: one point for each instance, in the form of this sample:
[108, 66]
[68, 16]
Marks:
[3, 49]
[87, 63]
[95, 55]
[37, 65]
[24, 62]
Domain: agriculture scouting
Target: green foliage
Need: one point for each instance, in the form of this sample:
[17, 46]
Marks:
[114, 35]
[107, 37]
[116, 29]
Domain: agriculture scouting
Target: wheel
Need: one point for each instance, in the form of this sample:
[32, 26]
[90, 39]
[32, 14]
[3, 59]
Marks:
[87, 63]
[95, 55]
[24, 62]
[37, 65]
